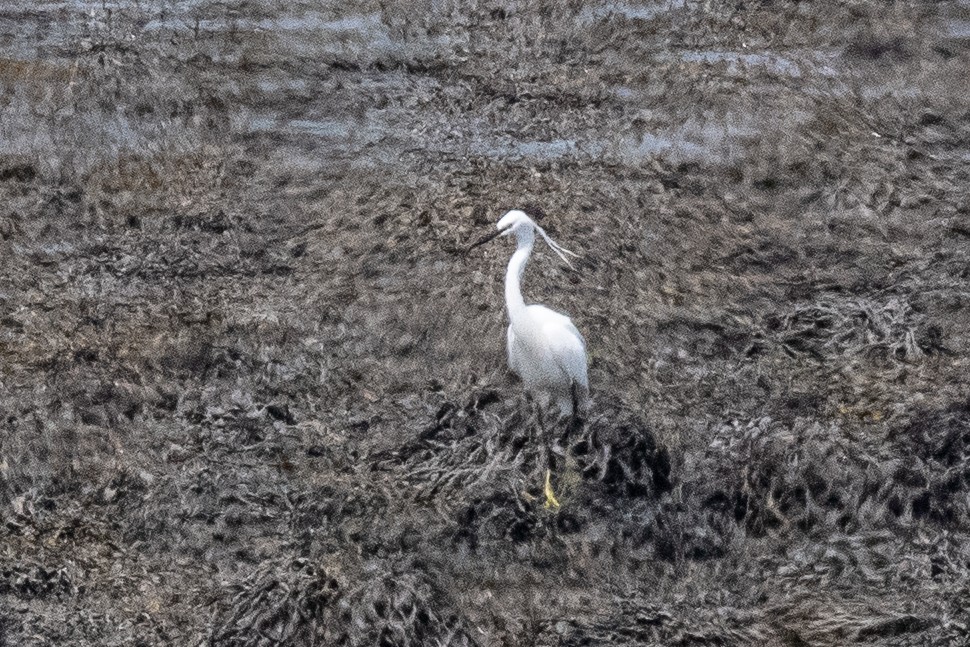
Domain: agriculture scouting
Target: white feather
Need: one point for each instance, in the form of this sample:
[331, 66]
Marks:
[545, 348]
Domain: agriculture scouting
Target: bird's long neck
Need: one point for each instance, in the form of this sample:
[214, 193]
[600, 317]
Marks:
[513, 278]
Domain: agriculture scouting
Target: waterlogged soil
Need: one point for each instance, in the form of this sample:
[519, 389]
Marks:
[253, 391]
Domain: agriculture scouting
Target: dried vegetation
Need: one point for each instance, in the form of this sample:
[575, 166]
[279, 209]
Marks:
[253, 394]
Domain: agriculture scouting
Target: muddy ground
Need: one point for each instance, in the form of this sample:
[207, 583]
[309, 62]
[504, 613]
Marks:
[254, 393]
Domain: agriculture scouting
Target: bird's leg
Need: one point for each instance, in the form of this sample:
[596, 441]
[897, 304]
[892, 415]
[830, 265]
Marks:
[560, 443]
[569, 421]
[537, 430]
[576, 419]
[552, 503]
[538, 410]
[550, 445]
[535, 416]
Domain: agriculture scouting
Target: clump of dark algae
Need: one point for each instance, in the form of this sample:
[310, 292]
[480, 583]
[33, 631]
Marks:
[486, 459]
[490, 458]
[371, 602]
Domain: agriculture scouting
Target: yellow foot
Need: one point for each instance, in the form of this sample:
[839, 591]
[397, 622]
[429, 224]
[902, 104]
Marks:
[551, 501]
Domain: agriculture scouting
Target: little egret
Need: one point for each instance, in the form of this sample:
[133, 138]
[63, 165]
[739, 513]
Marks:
[545, 349]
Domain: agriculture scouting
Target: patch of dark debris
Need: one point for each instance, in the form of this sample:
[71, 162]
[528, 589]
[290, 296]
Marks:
[252, 392]
[500, 453]
[936, 473]
[884, 330]
[320, 601]
[28, 582]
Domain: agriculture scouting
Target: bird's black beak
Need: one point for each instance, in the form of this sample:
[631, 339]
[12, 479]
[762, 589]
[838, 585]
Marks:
[491, 236]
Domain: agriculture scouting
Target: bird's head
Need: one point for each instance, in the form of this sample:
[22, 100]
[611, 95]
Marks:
[519, 223]
[515, 221]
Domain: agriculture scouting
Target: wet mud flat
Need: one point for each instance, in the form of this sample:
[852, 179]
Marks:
[253, 393]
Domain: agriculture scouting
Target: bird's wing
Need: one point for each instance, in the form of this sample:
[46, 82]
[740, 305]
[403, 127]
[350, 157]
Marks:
[574, 330]
[567, 346]
[547, 316]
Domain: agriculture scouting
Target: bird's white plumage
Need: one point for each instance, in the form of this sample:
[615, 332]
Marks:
[549, 357]
[545, 349]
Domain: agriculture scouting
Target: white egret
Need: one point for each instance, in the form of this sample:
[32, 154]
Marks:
[545, 349]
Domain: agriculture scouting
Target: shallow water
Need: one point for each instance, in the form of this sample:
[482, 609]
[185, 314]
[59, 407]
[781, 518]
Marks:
[298, 33]
[642, 11]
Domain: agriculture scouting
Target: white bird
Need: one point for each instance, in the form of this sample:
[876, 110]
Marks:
[545, 349]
